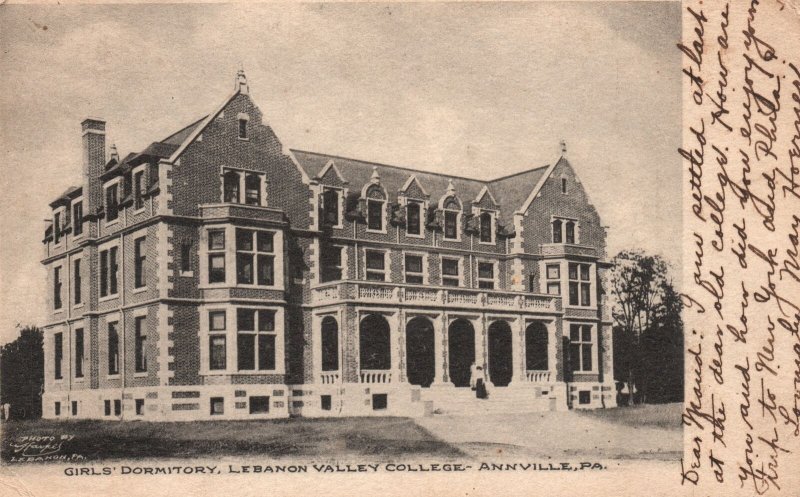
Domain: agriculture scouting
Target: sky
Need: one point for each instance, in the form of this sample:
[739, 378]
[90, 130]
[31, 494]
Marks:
[474, 89]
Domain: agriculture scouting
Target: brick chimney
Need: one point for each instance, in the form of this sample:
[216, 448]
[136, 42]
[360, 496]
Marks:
[94, 161]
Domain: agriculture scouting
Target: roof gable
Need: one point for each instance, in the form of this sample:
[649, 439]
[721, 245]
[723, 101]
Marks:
[413, 188]
[330, 175]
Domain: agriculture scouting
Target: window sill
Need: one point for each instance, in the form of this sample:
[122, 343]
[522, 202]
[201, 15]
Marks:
[451, 239]
[108, 298]
[138, 211]
[78, 306]
[486, 243]
[580, 308]
[243, 139]
[141, 374]
[112, 376]
[81, 379]
[139, 290]
[187, 274]
[411, 235]
[60, 310]
[381, 232]
[111, 223]
[241, 373]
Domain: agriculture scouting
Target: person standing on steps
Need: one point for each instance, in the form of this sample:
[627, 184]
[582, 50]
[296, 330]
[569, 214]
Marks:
[473, 376]
[480, 385]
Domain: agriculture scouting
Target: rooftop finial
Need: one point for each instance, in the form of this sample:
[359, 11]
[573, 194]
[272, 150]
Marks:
[241, 81]
[563, 148]
[114, 153]
[451, 190]
[375, 178]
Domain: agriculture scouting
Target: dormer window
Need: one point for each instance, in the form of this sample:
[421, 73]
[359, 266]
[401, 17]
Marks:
[138, 184]
[243, 120]
[414, 218]
[376, 202]
[452, 215]
[57, 227]
[77, 217]
[487, 227]
[330, 206]
[112, 202]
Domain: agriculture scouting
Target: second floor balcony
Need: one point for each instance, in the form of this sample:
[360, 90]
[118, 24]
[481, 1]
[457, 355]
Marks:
[430, 296]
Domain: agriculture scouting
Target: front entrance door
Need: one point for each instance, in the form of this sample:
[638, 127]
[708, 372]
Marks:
[500, 359]
[461, 351]
[420, 359]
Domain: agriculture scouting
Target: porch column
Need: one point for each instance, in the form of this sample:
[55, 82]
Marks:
[518, 352]
[438, 352]
[316, 348]
[445, 346]
[394, 355]
[400, 342]
[481, 345]
[552, 339]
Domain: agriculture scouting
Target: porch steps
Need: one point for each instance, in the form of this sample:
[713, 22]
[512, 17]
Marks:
[457, 401]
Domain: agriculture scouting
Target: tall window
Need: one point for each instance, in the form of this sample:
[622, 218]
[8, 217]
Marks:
[331, 264]
[557, 238]
[580, 287]
[413, 269]
[451, 274]
[138, 180]
[216, 256]
[113, 348]
[57, 287]
[414, 218]
[217, 351]
[553, 279]
[569, 228]
[580, 347]
[375, 214]
[487, 234]
[139, 275]
[108, 272]
[77, 218]
[330, 344]
[57, 227]
[58, 351]
[376, 265]
[76, 292]
[231, 187]
[242, 128]
[252, 189]
[563, 185]
[330, 206]
[112, 202]
[486, 275]
[140, 339]
[452, 211]
[79, 352]
[186, 257]
[255, 260]
[255, 340]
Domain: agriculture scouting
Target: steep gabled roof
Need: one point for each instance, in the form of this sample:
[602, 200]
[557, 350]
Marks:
[512, 191]
[358, 173]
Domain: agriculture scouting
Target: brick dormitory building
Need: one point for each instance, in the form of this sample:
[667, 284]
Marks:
[218, 274]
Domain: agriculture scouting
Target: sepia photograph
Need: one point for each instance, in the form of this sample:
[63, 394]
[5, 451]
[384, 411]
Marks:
[342, 237]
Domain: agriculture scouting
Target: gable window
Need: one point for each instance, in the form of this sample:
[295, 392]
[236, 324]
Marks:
[113, 349]
[138, 183]
[58, 351]
[140, 342]
[231, 187]
[375, 215]
[486, 275]
[330, 206]
[79, 352]
[57, 227]
[563, 185]
[580, 287]
[255, 262]
[77, 218]
[414, 269]
[57, 287]
[252, 189]
[451, 274]
[487, 222]
[108, 272]
[376, 265]
[580, 347]
[112, 202]
[255, 342]
[216, 256]
[557, 231]
[331, 264]
[553, 278]
[139, 278]
[217, 349]
[569, 228]
[413, 218]
[77, 281]
[243, 119]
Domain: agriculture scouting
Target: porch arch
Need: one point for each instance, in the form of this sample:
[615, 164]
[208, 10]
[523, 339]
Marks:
[461, 351]
[420, 355]
[374, 343]
[536, 347]
[329, 342]
[501, 360]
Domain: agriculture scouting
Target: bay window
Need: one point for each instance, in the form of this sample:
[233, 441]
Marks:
[580, 287]
[255, 339]
[581, 345]
[217, 350]
[331, 264]
[553, 278]
[216, 256]
[255, 259]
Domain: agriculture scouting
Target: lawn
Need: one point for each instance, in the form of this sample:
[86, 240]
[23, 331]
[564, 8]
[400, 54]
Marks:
[362, 438]
[666, 416]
